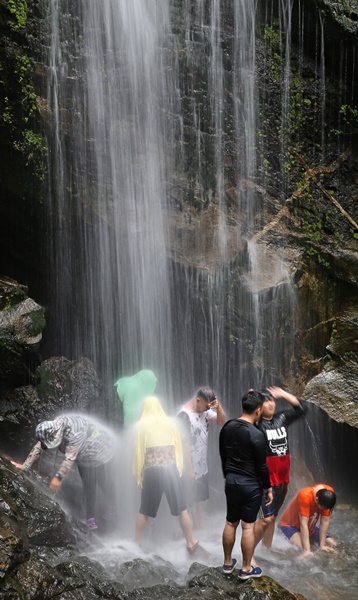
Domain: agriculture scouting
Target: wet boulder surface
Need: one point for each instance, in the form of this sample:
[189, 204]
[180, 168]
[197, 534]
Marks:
[42, 555]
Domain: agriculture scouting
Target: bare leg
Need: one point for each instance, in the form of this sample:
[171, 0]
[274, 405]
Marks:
[228, 540]
[259, 529]
[247, 545]
[296, 540]
[196, 515]
[269, 532]
[140, 525]
[185, 524]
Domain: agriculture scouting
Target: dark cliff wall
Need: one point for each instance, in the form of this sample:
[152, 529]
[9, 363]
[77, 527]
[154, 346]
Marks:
[22, 143]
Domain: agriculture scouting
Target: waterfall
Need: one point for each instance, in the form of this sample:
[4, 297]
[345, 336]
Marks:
[110, 94]
[158, 192]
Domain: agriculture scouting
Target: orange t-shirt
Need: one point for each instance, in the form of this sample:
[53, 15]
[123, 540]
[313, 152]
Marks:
[304, 505]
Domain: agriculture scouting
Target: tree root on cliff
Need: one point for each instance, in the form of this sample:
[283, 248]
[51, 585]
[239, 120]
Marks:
[311, 175]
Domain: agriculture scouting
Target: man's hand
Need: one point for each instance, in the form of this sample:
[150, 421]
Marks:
[277, 392]
[269, 496]
[220, 418]
[214, 403]
[55, 485]
[305, 554]
[18, 465]
[328, 549]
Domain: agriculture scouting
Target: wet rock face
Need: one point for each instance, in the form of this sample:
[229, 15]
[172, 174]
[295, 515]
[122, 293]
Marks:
[345, 14]
[40, 558]
[139, 573]
[335, 388]
[14, 544]
[31, 392]
[44, 522]
[69, 385]
[21, 323]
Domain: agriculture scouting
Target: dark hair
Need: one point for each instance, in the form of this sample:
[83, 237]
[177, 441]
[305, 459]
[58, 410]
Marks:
[266, 394]
[206, 394]
[326, 498]
[251, 401]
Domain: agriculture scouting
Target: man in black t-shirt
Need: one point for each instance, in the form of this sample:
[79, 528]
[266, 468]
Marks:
[274, 426]
[243, 458]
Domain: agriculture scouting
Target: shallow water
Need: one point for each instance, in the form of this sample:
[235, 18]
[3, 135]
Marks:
[319, 577]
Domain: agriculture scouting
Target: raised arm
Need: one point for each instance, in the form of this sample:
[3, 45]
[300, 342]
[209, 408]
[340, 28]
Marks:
[277, 392]
[220, 418]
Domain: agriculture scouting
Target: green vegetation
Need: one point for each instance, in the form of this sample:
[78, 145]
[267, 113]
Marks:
[18, 8]
[313, 253]
[349, 116]
[14, 297]
[19, 101]
[272, 35]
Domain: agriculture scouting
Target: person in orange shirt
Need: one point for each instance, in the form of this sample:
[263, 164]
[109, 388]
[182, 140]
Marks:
[299, 521]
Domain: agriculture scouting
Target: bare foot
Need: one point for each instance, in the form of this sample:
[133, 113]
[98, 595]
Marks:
[191, 549]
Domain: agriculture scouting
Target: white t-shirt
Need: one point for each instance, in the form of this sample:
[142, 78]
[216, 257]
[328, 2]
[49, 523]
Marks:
[199, 429]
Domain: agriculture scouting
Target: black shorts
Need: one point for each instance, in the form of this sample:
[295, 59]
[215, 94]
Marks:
[157, 480]
[279, 493]
[243, 499]
[196, 490]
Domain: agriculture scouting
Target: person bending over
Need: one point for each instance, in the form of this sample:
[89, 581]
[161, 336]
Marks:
[299, 521]
[84, 442]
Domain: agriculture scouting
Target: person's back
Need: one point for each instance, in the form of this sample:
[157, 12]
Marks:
[88, 441]
[243, 458]
[299, 521]
[242, 449]
[158, 465]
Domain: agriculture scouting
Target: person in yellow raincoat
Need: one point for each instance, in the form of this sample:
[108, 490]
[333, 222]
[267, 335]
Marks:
[158, 466]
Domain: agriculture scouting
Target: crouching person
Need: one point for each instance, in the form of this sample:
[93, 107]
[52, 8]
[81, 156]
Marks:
[299, 521]
[84, 442]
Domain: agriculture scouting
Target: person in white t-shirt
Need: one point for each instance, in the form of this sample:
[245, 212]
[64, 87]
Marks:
[195, 416]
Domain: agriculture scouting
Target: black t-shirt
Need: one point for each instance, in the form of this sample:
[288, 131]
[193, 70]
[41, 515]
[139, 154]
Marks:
[243, 451]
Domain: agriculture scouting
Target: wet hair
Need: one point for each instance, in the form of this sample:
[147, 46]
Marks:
[251, 401]
[266, 394]
[206, 394]
[326, 498]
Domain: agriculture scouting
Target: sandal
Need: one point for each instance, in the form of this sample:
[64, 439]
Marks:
[255, 572]
[228, 569]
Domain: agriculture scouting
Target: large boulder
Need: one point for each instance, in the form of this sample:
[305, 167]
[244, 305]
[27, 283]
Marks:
[45, 523]
[69, 385]
[335, 388]
[21, 323]
[344, 14]
[62, 386]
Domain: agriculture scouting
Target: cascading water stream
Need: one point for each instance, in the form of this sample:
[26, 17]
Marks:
[110, 98]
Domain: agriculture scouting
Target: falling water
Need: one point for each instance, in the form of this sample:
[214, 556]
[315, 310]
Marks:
[110, 97]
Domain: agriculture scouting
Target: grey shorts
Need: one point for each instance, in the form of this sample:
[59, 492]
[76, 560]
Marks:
[159, 480]
[196, 490]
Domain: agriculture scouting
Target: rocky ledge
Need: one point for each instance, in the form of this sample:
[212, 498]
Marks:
[42, 556]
